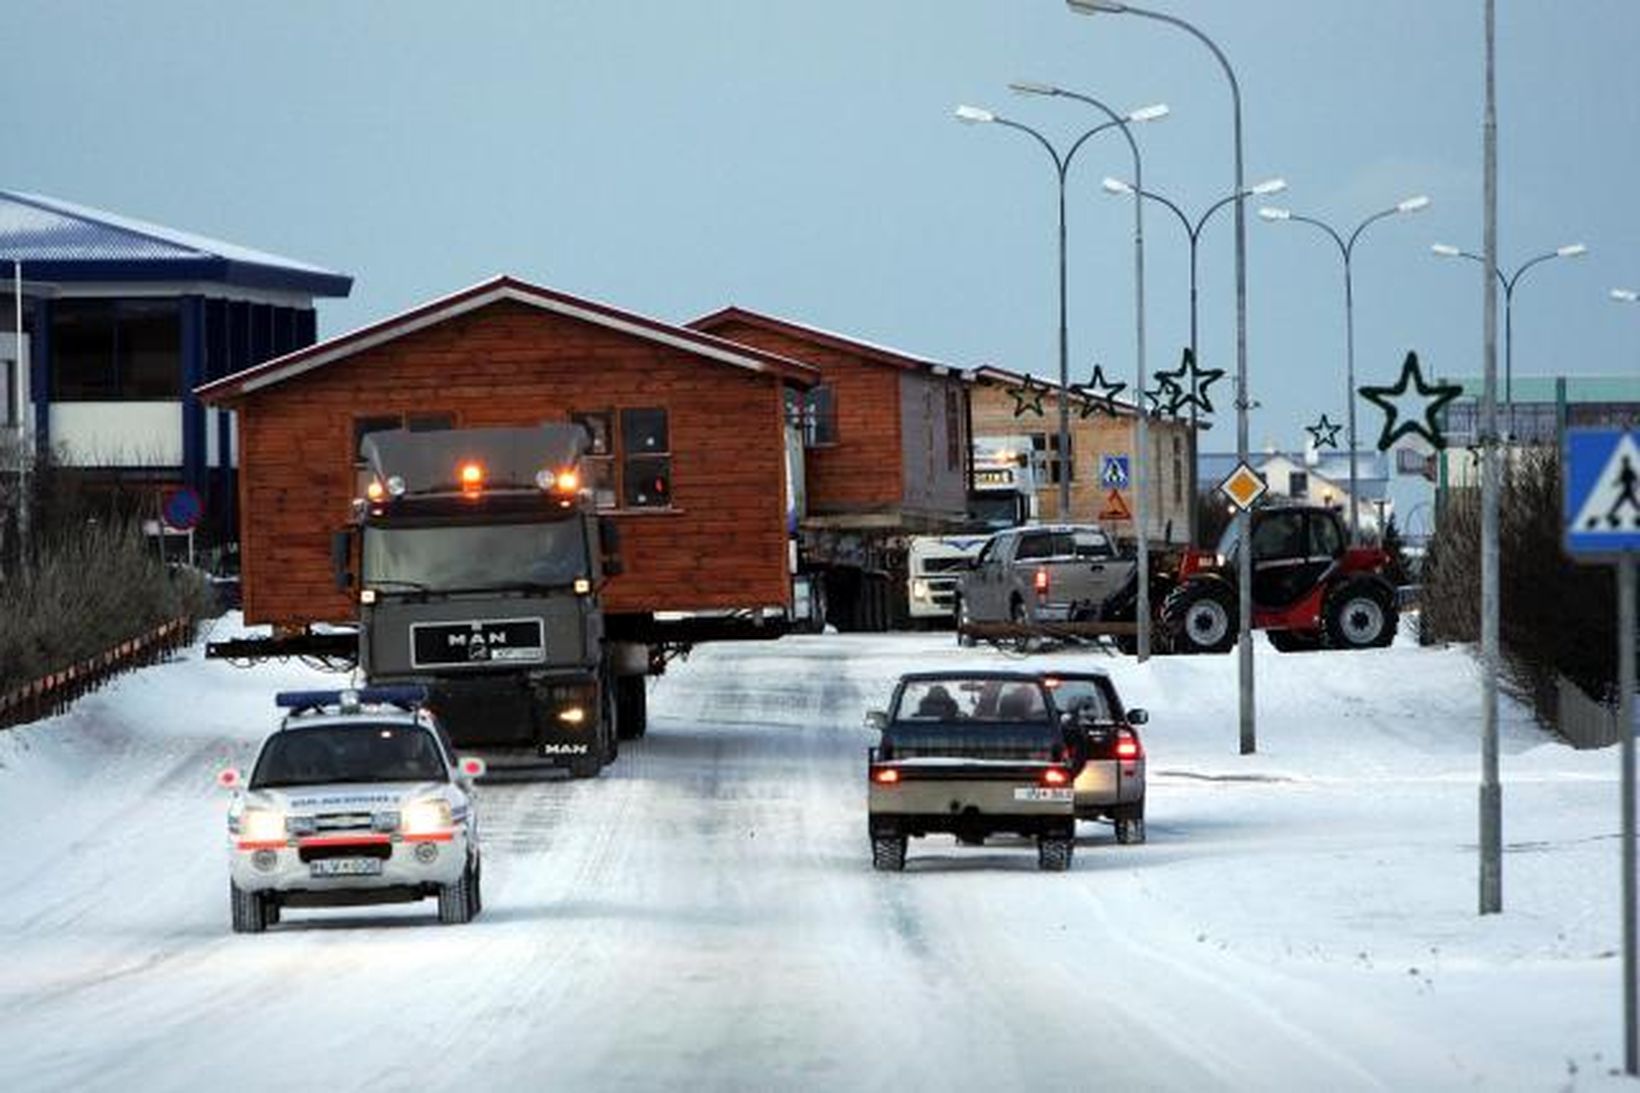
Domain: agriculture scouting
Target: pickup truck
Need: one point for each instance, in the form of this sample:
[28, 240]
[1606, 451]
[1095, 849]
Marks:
[1044, 573]
[971, 754]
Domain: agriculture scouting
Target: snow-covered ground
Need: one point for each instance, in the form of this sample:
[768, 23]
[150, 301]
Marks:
[705, 914]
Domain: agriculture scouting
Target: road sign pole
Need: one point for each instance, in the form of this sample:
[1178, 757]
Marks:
[1625, 725]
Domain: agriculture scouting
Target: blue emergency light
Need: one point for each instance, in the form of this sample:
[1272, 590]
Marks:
[406, 696]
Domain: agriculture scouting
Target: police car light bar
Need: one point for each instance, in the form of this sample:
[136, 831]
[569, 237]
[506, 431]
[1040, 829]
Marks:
[405, 696]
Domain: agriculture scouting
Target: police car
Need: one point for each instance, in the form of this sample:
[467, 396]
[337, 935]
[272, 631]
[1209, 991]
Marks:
[358, 798]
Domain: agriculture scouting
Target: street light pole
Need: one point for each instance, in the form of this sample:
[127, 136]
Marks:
[1141, 455]
[1570, 250]
[1244, 519]
[1062, 164]
[1346, 248]
[1193, 232]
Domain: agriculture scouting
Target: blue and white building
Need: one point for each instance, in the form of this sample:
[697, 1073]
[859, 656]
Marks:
[121, 320]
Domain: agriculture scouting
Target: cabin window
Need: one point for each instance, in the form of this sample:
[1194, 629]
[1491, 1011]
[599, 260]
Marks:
[646, 459]
[1298, 484]
[820, 416]
[599, 461]
[116, 350]
[419, 422]
[1046, 449]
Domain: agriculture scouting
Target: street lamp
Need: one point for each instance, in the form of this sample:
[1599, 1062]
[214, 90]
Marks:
[1347, 249]
[1244, 519]
[1193, 231]
[1141, 611]
[1570, 250]
[974, 115]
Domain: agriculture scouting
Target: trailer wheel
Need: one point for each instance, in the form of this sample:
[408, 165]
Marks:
[631, 706]
[1360, 614]
[1200, 617]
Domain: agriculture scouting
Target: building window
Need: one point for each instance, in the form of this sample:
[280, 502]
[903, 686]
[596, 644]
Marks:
[116, 350]
[1178, 470]
[1298, 484]
[10, 414]
[599, 462]
[646, 459]
[820, 416]
[1045, 449]
[420, 422]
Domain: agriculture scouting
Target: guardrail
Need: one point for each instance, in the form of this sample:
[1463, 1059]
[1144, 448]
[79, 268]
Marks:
[55, 693]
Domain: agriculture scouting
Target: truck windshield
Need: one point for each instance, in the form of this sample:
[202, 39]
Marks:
[473, 556]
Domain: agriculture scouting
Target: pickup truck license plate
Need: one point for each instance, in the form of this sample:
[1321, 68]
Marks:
[1042, 793]
[347, 867]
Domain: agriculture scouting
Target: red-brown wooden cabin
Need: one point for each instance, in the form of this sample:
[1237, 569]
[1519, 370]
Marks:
[688, 433]
[886, 456]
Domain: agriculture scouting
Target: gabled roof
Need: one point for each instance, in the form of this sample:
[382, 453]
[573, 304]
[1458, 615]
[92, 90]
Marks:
[881, 354]
[59, 241]
[495, 290]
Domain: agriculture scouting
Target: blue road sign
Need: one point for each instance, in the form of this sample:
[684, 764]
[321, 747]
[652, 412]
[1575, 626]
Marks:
[1113, 472]
[1602, 492]
[182, 508]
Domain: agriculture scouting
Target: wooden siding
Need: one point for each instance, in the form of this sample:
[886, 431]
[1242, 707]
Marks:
[722, 545]
[1098, 434]
[861, 472]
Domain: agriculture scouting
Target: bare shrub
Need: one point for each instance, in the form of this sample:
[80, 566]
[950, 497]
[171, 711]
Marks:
[1556, 618]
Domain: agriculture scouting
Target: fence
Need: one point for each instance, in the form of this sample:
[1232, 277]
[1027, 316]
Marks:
[1584, 722]
[54, 693]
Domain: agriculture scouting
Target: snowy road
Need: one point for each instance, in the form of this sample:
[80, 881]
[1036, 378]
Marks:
[705, 913]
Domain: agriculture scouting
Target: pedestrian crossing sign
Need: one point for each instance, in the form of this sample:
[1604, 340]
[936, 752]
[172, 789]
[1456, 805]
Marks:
[1602, 492]
[1113, 472]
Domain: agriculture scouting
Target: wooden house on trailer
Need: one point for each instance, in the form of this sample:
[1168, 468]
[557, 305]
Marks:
[689, 442]
[886, 450]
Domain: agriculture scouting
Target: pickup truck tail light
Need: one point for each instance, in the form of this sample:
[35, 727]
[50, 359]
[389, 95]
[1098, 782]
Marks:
[1040, 583]
[1128, 746]
[885, 776]
[1055, 776]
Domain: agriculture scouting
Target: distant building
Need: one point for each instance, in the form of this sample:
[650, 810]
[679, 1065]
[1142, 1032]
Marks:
[1318, 478]
[121, 321]
[1542, 408]
[1099, 463]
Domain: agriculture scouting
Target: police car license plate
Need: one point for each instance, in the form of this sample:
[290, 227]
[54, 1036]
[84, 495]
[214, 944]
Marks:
[1042, 793]
[347, 867]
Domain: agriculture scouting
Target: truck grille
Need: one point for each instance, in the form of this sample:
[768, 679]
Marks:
[325, 853]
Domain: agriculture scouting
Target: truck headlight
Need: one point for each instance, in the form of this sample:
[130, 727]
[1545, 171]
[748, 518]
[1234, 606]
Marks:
[262, 825]
[425, 817]
[919, 589]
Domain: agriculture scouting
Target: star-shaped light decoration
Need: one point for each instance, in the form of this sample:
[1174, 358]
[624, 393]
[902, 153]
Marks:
[1028, 398]
[1200, 380]
[1424, 401]
[1166, 397]
[1099, 395]
[1324, 433]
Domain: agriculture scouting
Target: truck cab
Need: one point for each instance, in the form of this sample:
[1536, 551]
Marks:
[479, 561]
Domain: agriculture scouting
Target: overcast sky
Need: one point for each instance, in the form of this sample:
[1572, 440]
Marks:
[801, 158]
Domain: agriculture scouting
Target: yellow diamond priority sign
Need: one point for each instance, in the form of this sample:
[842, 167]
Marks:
[1243, 486]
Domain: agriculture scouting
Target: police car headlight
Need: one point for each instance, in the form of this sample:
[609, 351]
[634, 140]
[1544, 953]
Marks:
[425, 817]
[262, 825]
